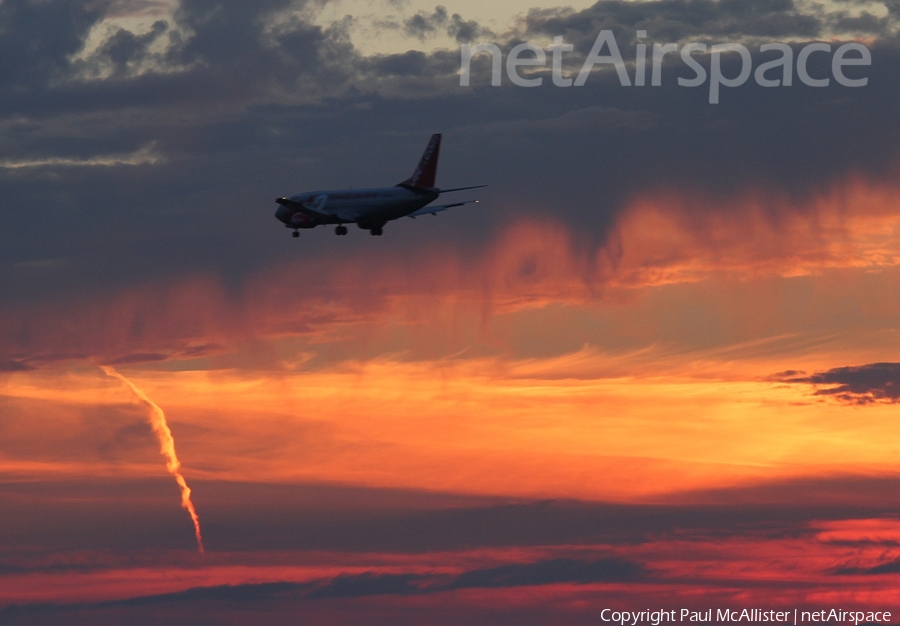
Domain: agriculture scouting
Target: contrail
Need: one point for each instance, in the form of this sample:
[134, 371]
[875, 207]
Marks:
[166, 448]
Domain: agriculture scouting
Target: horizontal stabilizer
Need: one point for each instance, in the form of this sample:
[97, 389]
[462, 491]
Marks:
[433, 210]
[460, 188]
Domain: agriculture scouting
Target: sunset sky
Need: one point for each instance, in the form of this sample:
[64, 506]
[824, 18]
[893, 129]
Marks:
[656, 367]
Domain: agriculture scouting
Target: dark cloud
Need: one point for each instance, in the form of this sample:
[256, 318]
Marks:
[347, 586]
[412, 63]
[677, 20]
[423, 25]
[552, 571]
[863, 23]
[100, 525]
[836, 491]
[354, 586]
[14, 366]
[231, 593]
[125, 48]
[37, 39]
[465, 31]
[860, 384]
[235, 47]
[120, 515]
[251, 101]
[546, 572]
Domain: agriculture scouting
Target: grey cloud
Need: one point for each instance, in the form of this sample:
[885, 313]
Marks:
[676, 20]
[125, 48]
[863, 23]
[861, 384]
[411, 64]
[37, 39]
[235, 49]
[141, 609]
[464, 31]
[423, 25]
[545, 572]
[231, 593]
[277, 603]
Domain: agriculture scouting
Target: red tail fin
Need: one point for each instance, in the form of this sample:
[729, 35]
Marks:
[427, 168]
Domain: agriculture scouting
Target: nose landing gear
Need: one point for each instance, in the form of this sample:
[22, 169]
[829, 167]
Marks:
[296, 233]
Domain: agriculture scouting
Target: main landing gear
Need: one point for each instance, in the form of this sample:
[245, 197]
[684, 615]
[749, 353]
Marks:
[340, 230]
[375, 231]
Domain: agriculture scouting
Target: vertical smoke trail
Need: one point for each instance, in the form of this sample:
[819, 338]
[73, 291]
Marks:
[166, 448]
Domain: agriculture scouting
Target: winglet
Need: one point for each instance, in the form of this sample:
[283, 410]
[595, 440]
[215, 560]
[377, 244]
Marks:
[423, 177]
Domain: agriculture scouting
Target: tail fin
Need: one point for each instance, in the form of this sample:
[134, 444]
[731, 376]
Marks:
[425, 172]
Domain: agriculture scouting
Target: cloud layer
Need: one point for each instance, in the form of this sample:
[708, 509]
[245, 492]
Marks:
[232, 98]
[522, 412]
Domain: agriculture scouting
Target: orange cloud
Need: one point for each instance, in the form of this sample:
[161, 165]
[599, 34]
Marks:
[851, 234]
[677, 237]
[491, 427]
[646, 368]
[646, 371]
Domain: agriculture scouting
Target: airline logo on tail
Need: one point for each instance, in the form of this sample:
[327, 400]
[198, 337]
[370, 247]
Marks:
[423, 177]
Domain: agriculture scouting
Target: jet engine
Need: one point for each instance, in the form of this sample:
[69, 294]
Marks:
[303, 220]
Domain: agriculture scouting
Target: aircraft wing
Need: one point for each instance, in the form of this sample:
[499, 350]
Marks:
[461, 188]
[433, 210]
[301, 207]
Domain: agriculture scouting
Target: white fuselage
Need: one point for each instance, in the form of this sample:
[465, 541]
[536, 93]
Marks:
[361, 206]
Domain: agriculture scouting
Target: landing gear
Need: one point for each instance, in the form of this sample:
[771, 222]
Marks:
[375, 231]
[340, 230]
[296, 233]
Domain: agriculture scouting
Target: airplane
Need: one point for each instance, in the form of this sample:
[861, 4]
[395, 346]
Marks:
[370, 209]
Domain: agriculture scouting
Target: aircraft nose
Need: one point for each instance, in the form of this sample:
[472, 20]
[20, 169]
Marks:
[283, 214]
